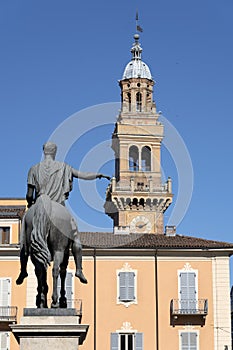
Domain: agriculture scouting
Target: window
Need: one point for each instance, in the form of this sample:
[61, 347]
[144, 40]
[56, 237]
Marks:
[5, 291]
[188, 340]
[68, 288]
[4, 341]
[146, 158]
[129, 101]
[138, 102]
[4, 234]
[126, 285]
[188, 291]
[133, 158]
[126, 341]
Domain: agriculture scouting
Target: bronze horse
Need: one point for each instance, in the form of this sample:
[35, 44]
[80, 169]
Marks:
[48, 233]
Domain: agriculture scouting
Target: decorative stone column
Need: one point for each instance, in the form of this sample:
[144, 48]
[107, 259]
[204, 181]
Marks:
[50, 329]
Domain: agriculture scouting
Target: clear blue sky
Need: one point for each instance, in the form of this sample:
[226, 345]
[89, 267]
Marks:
[59, 57]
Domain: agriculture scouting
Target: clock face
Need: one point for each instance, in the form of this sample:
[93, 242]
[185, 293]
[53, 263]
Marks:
[140, 224]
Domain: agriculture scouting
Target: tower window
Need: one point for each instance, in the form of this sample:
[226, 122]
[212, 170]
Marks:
[138, 102]
[133, 158]
[129, 101]
[146, 158]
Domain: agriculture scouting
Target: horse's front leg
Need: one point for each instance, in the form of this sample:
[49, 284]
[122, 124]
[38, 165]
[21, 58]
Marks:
[58, 258]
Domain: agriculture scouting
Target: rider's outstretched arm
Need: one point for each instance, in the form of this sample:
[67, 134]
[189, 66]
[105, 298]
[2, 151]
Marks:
[88, 176]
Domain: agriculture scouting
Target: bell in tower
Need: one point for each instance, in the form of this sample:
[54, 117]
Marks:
[136, 198]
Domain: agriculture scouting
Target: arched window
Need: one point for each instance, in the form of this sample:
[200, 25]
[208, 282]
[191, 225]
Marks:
[133, 158]
[146, 158]
[129, 101]
[138, 102]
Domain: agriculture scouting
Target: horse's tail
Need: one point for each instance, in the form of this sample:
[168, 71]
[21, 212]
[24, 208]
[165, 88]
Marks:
[41, 227]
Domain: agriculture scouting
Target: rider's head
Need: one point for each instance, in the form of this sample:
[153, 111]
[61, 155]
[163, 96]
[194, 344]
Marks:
[50, 148]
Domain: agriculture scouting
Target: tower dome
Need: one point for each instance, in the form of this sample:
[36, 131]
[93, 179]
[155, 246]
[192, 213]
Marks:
[136, 68]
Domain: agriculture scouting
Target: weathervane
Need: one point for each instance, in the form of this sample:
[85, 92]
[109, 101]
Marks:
[138, 27]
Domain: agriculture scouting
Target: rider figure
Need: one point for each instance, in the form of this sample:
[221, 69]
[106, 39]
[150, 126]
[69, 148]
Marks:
[54, 179]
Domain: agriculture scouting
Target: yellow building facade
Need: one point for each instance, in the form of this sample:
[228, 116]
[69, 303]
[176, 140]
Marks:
[147, 289]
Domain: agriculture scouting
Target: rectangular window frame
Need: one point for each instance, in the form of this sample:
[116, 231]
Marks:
[134, 300]
[4, 224]
[188, 331]
[136, 338]
[5, 300]
[190, 270]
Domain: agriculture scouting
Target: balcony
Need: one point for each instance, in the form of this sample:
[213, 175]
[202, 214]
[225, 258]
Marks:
[8, 315]
[182, 309]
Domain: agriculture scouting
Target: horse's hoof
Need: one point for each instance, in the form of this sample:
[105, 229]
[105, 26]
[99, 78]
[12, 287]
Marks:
[20, 279]
[63, 304]
[81, 276]
[54, 305]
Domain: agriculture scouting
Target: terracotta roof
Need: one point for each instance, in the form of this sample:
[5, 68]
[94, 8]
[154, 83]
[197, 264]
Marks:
[148, 241]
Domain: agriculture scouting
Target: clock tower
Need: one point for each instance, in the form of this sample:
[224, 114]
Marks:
[136, 198]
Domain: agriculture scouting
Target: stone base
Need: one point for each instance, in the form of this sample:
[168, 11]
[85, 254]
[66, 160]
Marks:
[49, 328]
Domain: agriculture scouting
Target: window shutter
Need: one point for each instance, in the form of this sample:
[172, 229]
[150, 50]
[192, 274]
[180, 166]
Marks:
[184, 341]
[193, 341]
[126, 286]
[188, 341]
[188, 290]
[3, 341]
[139, 341]
[5, 288]
[131, 280]
[114, 341]
[122, 286]
[69, 291]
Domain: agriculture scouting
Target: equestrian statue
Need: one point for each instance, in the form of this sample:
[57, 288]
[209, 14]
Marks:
[48, 229]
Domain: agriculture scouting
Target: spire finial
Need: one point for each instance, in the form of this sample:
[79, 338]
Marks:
[138, 27]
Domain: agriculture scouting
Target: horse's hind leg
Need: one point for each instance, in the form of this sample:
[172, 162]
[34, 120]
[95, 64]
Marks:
[63, 267]
[42, 288]
[57, 260]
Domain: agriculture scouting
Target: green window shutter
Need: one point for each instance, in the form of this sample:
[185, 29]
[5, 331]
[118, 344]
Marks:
[5, 291]
[139, 341]
[114, 341]
[126, 286]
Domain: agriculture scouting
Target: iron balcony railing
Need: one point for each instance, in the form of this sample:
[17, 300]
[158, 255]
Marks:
[8, 314]
[189, 307]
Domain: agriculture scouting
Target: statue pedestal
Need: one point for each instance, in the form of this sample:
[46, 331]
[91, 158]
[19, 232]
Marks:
[49, 329]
